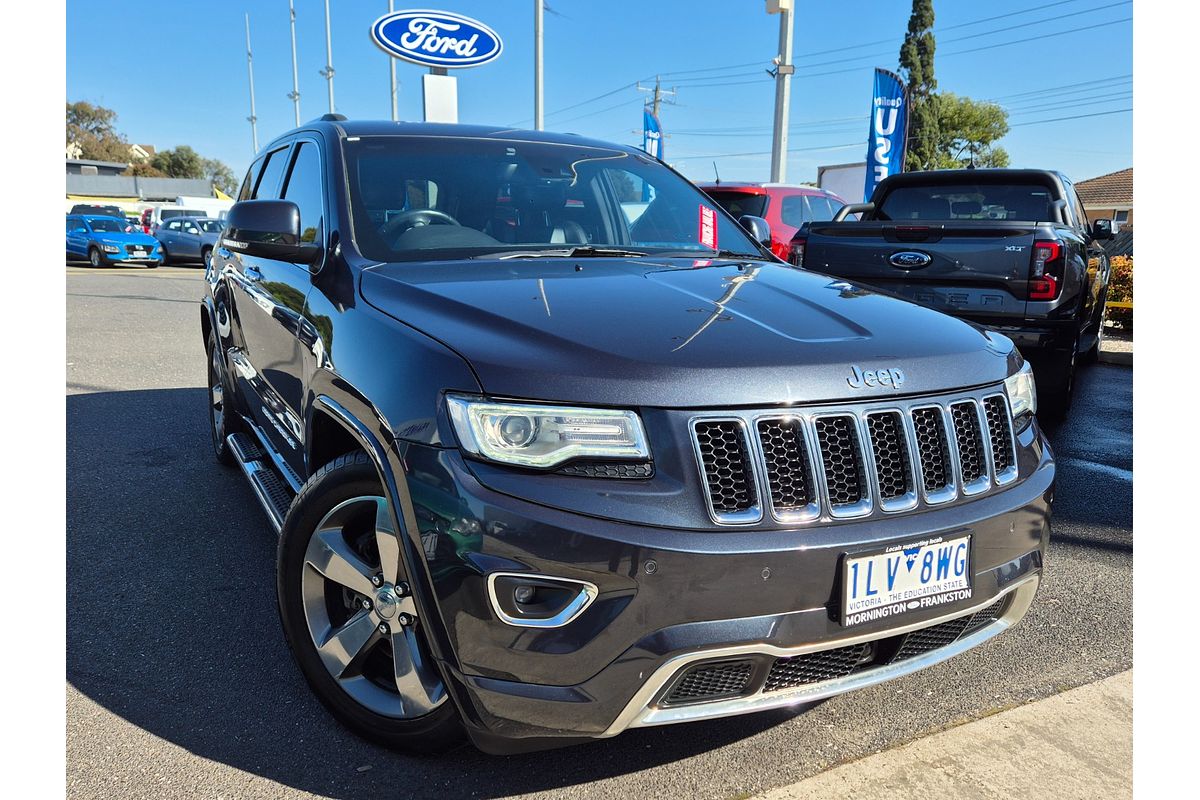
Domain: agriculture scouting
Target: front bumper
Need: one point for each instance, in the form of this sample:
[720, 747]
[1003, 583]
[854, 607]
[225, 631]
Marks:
[667, 599]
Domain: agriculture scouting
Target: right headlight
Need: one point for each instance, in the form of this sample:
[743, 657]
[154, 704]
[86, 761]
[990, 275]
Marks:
[1021, 391]
[540, 436]
[111, 248]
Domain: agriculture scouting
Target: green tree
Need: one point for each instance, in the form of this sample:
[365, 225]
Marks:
[916, 67]
[92, 129]
[967, 130]
[945, 131]
[220, 174]
[143, 170]
[182, 162]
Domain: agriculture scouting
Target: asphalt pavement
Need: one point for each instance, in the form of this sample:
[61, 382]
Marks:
[179, 683]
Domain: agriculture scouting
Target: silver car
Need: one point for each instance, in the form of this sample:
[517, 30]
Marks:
[189, 238]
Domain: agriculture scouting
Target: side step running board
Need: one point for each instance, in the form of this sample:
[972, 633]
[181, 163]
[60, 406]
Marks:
[273, 493]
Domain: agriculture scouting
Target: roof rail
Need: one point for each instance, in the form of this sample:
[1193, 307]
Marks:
[331, 117]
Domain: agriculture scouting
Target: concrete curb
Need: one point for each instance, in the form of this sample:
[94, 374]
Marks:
[1122, 357]
[1078, 744]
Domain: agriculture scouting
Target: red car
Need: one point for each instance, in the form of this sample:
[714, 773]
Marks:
[784, 207]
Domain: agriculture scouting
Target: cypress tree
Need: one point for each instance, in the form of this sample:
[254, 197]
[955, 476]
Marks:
[916, 67]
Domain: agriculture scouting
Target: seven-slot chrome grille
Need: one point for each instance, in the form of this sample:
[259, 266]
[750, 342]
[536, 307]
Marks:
[849, 461]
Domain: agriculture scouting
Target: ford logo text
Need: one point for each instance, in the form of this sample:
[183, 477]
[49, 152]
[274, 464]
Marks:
[437, 38]
[910, 259]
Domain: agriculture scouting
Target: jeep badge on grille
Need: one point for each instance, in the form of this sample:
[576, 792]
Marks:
[868, 378]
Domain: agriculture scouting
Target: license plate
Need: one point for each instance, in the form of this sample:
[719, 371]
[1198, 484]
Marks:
[905, 577]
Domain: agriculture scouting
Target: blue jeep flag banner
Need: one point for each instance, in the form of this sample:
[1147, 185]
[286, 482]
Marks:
[651, 134]
[889, 129]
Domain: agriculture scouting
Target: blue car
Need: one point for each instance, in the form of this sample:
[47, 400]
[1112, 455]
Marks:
[103, 241]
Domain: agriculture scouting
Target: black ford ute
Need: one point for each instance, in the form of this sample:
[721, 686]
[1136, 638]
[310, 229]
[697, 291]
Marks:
[1009, 249]
[556, 448]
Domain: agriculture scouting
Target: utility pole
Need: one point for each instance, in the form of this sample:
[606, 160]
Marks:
[294, 95]
[392, 73]
[327, 73]
[783, 88]
[538, 122]
[253, 119]
[657, 100]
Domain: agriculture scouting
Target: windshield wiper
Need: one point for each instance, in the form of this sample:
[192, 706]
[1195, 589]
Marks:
[581, 251]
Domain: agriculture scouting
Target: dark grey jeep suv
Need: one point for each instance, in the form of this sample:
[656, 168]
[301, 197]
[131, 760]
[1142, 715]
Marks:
[556, 448]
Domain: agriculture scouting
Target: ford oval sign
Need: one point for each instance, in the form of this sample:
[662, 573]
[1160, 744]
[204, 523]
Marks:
[437, 38]
[910, 259]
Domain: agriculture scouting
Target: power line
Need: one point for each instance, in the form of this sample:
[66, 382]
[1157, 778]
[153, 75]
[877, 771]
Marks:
[1056, 106]
[1078, 116]
[1053, 89]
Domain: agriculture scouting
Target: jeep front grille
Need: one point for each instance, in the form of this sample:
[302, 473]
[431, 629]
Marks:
[853, 461]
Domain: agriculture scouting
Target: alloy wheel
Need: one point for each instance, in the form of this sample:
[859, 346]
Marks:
[216, 399]
[360, 614]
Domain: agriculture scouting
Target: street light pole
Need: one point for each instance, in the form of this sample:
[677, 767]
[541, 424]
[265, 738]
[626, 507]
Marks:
[392, 73]
[327, 73]
[538, 122]
[783, 89]
[253, 118]
[294, 95]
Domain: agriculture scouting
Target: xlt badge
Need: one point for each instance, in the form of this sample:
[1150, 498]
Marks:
[860, 378]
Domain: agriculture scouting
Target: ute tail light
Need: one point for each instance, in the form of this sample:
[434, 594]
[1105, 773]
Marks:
[1046, 271]
[795, 255]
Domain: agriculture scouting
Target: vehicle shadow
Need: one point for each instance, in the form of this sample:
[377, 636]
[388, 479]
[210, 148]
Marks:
[179, 633]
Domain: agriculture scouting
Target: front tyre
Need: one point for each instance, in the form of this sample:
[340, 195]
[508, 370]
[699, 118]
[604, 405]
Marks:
[348, 613]
[222, 416]
[94, 257]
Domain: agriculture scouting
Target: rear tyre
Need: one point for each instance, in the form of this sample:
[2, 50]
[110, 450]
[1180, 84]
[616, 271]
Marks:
[1056, 384]
[223, 418]
[348, 615]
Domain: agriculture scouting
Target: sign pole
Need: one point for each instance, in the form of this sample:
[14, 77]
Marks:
[392, 72]
[294, 95]
[253, 119]
[328, 71]
[538, 123]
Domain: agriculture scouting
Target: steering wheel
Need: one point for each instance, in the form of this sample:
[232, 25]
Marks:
[413, 218]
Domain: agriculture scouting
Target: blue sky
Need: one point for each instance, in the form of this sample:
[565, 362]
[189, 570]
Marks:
[177, 74]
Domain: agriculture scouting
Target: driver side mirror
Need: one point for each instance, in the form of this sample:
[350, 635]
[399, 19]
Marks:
[757, 227]
[1104, 229]
[269, 229]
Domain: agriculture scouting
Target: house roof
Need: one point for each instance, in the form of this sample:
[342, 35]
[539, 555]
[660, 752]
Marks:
[1106, 191]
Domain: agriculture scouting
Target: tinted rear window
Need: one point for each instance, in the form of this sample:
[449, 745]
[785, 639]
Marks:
[740, 203]
[1026, 202]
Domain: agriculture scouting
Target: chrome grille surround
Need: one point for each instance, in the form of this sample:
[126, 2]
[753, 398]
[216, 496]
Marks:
[824, 503]
[754, 488]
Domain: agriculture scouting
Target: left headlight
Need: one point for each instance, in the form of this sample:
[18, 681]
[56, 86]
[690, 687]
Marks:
[1021, 391]
[545, 436]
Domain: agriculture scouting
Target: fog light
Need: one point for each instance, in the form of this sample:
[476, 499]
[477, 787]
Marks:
[524, 594]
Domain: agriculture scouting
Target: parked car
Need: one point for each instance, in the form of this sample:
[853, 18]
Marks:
[785, 208]
[153, 217]
[543, 473]
[90, 209]
[1008, 249]
[104, 240]
[189, 238]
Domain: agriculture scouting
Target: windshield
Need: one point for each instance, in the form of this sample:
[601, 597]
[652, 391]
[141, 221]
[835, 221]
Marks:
[107, 225]
[210, 225]
[1026, 202]
[430, 198]
[740, 203]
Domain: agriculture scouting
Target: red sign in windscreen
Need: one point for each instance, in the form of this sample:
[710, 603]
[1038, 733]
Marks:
[708, 227]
